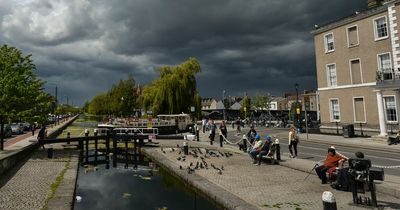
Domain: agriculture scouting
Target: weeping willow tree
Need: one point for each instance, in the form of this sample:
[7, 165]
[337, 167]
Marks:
[174, 91]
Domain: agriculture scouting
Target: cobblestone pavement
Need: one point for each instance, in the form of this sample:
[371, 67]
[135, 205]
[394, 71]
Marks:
[266, 186]
[28, 185]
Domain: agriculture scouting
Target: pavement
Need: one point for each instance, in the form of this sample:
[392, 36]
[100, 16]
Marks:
[282, 186]
[30, 183]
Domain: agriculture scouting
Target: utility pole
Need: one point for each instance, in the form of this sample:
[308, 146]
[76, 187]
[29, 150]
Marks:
[223, 103]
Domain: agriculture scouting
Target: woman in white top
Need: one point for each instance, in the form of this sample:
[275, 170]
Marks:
[293, 140]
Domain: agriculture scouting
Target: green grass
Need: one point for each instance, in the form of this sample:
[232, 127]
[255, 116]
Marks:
[54, 186]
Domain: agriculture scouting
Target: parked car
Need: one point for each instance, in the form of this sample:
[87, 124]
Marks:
[7, 131]
[26, 126]
[17, 129]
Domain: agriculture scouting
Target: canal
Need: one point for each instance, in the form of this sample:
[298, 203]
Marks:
[141, 185]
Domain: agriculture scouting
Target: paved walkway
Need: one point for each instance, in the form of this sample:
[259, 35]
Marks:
[29, 184]
[266, 186]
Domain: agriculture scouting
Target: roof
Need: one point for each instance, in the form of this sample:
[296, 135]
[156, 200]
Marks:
[356, 16]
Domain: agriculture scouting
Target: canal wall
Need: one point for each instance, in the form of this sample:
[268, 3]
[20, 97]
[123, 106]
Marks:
[10, 158]
[210, 190]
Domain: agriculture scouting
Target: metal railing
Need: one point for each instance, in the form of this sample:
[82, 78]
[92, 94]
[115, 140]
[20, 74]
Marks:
[387, 75]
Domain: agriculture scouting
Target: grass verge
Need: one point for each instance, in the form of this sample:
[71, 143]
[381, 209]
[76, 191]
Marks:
[54, 186]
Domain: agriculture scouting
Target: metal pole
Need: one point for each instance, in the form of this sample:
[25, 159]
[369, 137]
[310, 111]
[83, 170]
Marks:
[306, 123]
[223, 102]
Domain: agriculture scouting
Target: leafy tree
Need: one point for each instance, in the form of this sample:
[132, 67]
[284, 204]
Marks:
[246, 105]
[123, 97]
[261, 102]
[21, 92]
[175, 91]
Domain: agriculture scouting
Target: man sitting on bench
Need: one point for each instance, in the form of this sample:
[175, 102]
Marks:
[265, 149]
[332, 161]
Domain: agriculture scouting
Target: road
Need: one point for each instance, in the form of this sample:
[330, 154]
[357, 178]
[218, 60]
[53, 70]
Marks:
[317, 152]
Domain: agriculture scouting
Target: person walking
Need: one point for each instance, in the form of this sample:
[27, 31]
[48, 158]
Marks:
[33, 129]
[212, 128]
[42, 134]
[293, 141]
[223, 129]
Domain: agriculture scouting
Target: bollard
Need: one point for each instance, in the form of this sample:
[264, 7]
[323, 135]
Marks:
[68, 136]
[50, 151]
[328, 201]
[185, 148]
[198, 134]
[244, 143]
[277, 149]
[221, 139]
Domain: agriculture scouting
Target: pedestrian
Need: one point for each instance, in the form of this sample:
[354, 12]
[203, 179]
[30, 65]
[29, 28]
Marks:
[251, 134]
[203, 124]
[42, 134]
[223, 129]
[238, 121]
[33, 129]
[212, 127]
[331, 161]
[293, 141]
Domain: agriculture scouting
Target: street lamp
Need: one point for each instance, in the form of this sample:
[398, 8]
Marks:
[297, 103]
[223, 102]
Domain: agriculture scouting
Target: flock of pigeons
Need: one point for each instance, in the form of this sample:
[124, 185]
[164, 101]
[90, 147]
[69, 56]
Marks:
[200, 155]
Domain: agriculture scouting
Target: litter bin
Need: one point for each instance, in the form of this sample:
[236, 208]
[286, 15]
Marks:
[348, 130]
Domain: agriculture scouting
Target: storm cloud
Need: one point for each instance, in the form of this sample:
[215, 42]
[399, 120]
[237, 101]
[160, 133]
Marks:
[254, 46]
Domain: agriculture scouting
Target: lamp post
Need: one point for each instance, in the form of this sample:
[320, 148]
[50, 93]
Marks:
[297, 103]
[223, 103]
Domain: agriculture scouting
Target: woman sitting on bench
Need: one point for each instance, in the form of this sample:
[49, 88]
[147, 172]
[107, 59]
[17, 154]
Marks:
[332, 161]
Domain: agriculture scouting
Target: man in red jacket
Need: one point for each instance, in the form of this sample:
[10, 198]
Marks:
[330, 163]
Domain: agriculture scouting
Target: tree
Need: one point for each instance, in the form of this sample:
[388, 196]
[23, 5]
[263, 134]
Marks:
[21, 92]
[246, 105]
[174, 91]
[261, 102]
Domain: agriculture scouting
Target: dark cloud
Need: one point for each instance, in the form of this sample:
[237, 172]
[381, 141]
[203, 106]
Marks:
[255, 46]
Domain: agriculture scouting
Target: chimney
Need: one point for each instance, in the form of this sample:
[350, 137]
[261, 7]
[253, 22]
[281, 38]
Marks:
[374, 3]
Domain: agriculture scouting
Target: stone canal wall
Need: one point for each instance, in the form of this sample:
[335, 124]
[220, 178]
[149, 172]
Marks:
[212, 191]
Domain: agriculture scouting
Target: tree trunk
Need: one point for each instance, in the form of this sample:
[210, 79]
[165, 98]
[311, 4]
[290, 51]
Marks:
[1, 134]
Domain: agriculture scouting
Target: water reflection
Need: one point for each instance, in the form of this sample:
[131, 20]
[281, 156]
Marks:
[144, 187]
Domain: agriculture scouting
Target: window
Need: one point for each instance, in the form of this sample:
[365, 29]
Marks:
[335, 111]
[359, 110]
[390, 107]
[352, 36]
[385, 66]
[380, 28]
[355, 71]
[331, 72]
[329, 44]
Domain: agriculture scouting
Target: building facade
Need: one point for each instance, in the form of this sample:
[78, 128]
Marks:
[358, 70]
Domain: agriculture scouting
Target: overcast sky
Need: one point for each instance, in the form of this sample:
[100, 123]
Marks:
[253, 46]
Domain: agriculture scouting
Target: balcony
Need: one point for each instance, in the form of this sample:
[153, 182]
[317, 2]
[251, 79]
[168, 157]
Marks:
[387, 78]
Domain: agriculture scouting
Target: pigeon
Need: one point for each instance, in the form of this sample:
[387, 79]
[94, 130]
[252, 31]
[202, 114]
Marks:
[163, 151]
[179, 158]
[177, 145]
[183, 159]
[201, 165]
[180, 167]
[197, 165]
[219, 172]
[222, 167]
[173, 150]
[191, 164]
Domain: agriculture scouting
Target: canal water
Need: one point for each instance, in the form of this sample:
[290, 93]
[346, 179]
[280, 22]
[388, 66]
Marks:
[143, 187]
[147, 188]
